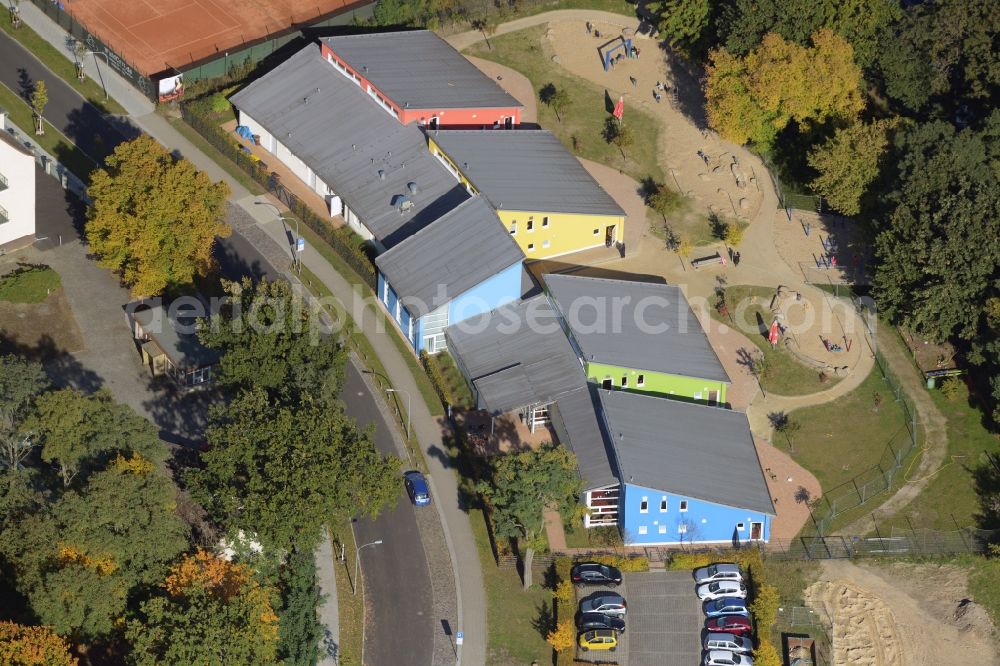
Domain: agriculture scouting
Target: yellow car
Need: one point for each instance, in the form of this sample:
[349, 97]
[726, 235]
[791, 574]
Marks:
[598, 639]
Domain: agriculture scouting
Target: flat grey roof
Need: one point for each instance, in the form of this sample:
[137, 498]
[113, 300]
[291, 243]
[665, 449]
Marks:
[694, 450]
[525, 170]
[183, 347]
[634, 338]
[516, 355]
[465, 247]
[346, 138]
[418, 68]
[575, 418]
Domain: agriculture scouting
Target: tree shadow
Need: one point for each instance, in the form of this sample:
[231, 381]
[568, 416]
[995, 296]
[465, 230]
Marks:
[25, 84]
[986, 481]
[747, 359]
[63, 369]
[690, 96]
[545, 620]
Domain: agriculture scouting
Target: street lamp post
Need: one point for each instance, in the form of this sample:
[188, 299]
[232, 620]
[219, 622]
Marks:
[298, 237]
[357, 562]
[98, 66]
[408, 403]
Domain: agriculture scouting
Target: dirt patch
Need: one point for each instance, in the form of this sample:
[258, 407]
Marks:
[901, 615]
[39, 330]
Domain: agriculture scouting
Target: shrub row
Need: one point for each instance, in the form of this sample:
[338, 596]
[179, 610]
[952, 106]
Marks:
[438, 381]
[347, 244]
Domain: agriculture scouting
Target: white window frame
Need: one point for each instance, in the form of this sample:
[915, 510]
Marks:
[644, 505]
[624, 381]
[741, 527]
[531, 247]
[682, 528]
[683, 506]
[513, 228]
[642, 529]
[663, 505]
[546, 244]
[597, 232]
[545, 222]
[640, 381]
[529, 226]
[662, 529]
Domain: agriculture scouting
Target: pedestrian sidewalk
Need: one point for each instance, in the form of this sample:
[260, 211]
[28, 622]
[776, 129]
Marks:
[326, 579]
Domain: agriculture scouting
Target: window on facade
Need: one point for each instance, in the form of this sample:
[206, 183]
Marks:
[741, 526]
[624, 381]
[530, 225]
[513, 227]
[640, 380]
[546, 244]
[597, 232]
[531, 247]
[644, 505]
[545, 222]
[662, 529]
[607, 383]
[642, 529]
[663, 504]
[683, 506]
[682, 528]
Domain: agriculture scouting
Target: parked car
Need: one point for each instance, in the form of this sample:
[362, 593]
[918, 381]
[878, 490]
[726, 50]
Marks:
[721, 571]
[730, 624]
[731, 642]
[607, 603]
[726, 606]
[592, 573]
[598, 639]
[417, 489]
[588, 621]
[726, 658]
[722, 588]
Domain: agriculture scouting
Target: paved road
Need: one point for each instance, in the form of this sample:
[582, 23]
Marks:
[79, 120]
[397, 580]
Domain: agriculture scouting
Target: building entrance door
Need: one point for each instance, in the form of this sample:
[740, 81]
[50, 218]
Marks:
[610, 235]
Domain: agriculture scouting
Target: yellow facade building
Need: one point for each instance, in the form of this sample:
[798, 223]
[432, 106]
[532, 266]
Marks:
[547, 201]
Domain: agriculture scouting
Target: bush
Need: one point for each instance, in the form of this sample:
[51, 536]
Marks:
[627, 564]
[564, 593]
[437, 377]
[218, 103]
[746, 558]
[951, 388]
[564, 637]
[563, 566]
[766, 654]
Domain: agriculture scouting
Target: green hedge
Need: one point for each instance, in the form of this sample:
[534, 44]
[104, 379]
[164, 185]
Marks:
[344, 241]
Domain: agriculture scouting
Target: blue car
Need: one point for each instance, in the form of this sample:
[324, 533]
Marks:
[726, 606]
[416, 488]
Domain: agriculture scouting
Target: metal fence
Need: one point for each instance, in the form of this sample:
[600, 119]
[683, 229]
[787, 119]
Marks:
[877, 479]
[899, 542]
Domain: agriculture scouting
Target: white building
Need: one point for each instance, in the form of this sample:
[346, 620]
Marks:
[17, 190]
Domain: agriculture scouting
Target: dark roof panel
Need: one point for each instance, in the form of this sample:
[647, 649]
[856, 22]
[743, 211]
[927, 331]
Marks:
[525, 170]
[419, 69]
[354, 145]
[656, 329]
[575, 419]
[460, 250]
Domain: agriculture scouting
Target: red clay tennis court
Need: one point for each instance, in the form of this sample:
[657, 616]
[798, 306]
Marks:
[154, 36]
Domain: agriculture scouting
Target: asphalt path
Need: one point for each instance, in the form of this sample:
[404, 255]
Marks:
[79, 120]
[400, 613]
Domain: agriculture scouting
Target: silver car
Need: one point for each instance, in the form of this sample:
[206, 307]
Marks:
[721, 571]
[722, 588]
[607, 603]
[730, 642]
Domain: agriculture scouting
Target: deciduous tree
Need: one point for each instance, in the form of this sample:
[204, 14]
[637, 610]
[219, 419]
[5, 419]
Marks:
[27, 645]
[39, 100]
[555, 98]
[272, 339]
[849, 163]
[210, 612]
[21, 381]
[522, 486]
[279, 472]
[300, 630]
[563, 637]
[154, 218]
[683, 22]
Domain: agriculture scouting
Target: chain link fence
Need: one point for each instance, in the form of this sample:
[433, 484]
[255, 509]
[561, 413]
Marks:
[899, 542]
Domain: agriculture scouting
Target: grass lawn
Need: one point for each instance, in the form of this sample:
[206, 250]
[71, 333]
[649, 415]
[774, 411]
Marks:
[349, 606]
[584, 115]
[950, 498]
[227, 165]
[60, 64]
[513, 614]
[785, 375]
[841, 439]
[52, 141]
[28, 284]
[984, 581]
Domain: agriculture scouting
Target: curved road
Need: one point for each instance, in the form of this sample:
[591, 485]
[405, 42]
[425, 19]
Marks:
[397, 584]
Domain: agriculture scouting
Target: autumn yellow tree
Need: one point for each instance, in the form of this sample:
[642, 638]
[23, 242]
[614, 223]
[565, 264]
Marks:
[154, 218]
[27, 645]
[211, 611]
[751, 99]
[563, 637]
[849, 162]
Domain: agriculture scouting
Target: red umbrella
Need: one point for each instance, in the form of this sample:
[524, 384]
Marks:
[773, 336]
[619, 108]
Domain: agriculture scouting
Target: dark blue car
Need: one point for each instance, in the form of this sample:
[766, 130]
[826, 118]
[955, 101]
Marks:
[416, 488]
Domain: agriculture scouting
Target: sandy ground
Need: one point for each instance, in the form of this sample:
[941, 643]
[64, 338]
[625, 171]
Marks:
[791, 488]
[902, 615]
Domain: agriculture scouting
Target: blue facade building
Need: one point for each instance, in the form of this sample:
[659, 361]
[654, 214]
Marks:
[461, 265]
[688, 473]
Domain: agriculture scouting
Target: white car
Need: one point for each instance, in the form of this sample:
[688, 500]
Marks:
[728, 642]
[726, 658]
[722, 571]
[722, 588]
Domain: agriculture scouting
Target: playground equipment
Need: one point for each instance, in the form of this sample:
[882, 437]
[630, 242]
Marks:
[617, 48]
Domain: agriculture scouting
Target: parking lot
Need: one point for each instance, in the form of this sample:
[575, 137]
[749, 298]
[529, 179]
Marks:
[663, 624]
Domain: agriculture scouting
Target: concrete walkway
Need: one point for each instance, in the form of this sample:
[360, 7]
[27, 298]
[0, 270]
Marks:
[326, 580]
[443, 478]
